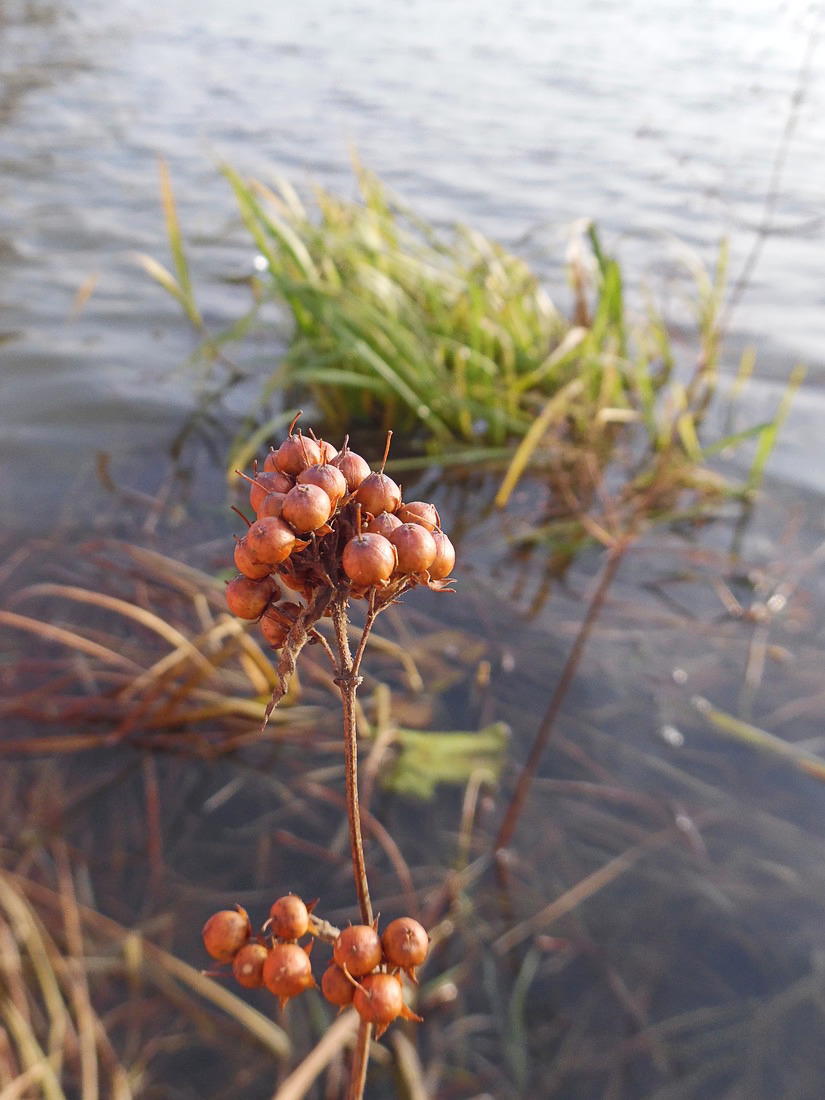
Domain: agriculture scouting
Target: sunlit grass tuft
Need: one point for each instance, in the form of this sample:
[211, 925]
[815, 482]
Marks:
[455, 344]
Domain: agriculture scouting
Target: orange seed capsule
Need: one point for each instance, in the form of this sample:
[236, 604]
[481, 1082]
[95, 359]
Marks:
[296, 453]
[352, 466]
[369, 559]
[358, 948]
[379, 999]
[306, 507]
[287, 971]
[420, 511]
[415, 547]
[444, 560]
[248, 965]
[383, 524]
[378, 493]
[225, 933]
[336, 986]
[266, 483]
[247, 598]
[243, 561]
[288, 918]
[270, 541]
[405, 944]
[326, 477]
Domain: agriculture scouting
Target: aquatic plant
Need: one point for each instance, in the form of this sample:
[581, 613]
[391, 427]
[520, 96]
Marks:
[455, 343]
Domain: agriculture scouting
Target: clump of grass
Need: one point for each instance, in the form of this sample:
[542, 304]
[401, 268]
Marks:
[447, 338]
[394, 326]
[453, 342]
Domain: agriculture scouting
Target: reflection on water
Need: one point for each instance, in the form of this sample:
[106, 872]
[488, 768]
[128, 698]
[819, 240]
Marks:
[517, 118]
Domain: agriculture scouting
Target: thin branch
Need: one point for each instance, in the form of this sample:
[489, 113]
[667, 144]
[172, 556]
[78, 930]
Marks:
[347, 681]
[545, 731]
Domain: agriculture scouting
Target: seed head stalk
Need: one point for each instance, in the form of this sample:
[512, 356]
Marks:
[308, 538]
[348, 679]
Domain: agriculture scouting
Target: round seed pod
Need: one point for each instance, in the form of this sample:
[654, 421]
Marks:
[271, 505]
[296, 453]
[383, 524]
[270, 541]
[247, 598]
[369, 559]
[358, 948]
[243, 560]
[306, 507]
[327, 477]
[225, 933]
[271, 460]
[288, 918]
[415, 547]
[266, 483]
[378, 493]
[420, 511]
[336, 986]
[352, 466]
[248, 965]
[379, 1000]
[276, 622]
[287, 971]
[444, 560]
[274, 629]
[405, 944]
[270, 465]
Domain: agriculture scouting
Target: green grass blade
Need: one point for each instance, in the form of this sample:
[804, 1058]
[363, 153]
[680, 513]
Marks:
[273, 236]
[170, 215]
[551, 412]
[161, 276]
[769, 434]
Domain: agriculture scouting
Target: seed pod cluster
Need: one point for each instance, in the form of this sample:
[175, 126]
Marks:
[324, 520]
[365, 970]
[272, 958]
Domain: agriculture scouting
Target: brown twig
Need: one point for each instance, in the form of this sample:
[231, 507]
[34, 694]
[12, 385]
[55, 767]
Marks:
[545, 731]
[347, 680]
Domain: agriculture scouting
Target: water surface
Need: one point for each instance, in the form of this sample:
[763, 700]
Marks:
[518, 118]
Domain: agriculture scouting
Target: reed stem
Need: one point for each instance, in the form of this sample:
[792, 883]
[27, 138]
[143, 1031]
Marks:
[348, 680]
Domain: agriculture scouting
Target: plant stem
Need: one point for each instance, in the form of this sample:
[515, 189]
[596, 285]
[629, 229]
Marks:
[348, 681]
[505, 833]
